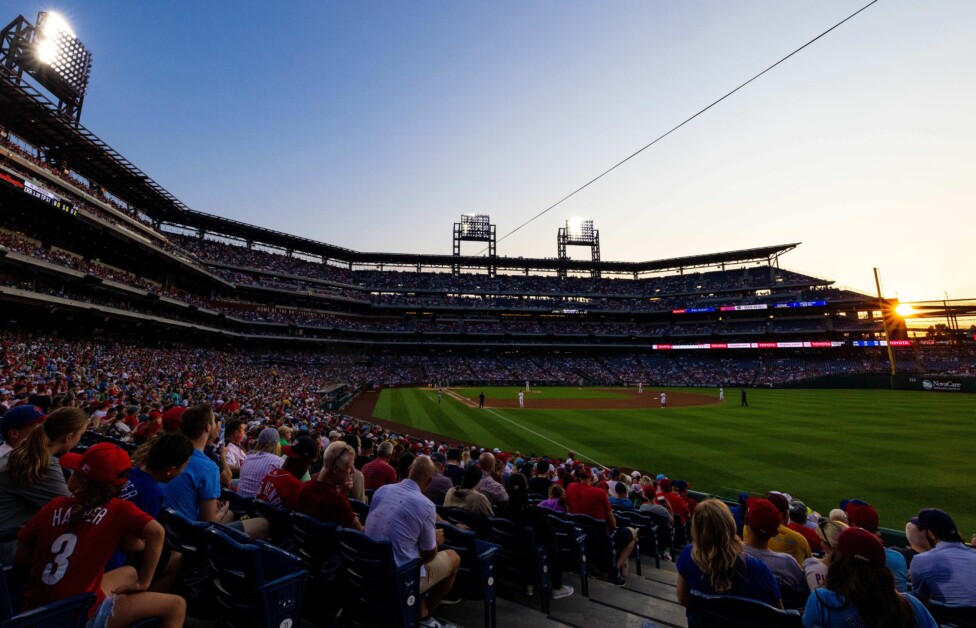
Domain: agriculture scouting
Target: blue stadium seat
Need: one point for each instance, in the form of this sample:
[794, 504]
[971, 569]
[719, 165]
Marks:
[239, 505]
[953, 616]
[361, 509]
[520, 558]
[317, 545]
[481, 526]
[646, 534]
[68, 613]
[376, 588]
[572, 550]
[257, 583]
[279, 520]
[665, 533]
[731, 611]
[476, 576]
[600, 547]
[187, 538]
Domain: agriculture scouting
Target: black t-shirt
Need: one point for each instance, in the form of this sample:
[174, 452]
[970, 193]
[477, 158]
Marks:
[539, 485]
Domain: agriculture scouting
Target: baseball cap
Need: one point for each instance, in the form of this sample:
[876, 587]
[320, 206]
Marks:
[844, 503]
[938, 522]
[102, 463]
[665, 485]
[303, 448]
[267, 436]
[585, 472]
[778, 500]
[635, 474]
[661, 476]
[681, 485]
[862, 516]
[171, 418]
[763, 517]
[19, 417]
[798, 509]
[438, 457]
[862, 545]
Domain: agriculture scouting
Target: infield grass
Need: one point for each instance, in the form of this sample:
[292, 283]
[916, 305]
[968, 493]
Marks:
[898, 450]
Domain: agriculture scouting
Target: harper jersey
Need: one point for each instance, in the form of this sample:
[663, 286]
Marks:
[69, 561]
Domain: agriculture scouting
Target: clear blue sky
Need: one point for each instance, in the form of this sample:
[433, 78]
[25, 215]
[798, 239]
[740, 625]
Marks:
[374, 125]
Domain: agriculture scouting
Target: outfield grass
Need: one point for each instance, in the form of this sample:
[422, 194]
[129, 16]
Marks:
[898, 450]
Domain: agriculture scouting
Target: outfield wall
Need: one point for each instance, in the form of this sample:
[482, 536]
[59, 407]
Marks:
[926, 383]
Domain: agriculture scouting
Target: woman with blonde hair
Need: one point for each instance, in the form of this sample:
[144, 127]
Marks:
[815, 569]
[714, 562]
[30, 475]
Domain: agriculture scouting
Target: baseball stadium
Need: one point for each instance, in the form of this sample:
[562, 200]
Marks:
[722, 377]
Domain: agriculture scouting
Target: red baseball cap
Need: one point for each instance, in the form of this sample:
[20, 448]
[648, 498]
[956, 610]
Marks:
[103, 463]
[171, 418]
[863, 516]
[763, 517]
[862, 545]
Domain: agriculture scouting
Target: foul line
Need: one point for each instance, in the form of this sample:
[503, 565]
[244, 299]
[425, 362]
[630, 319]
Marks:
[471, 404]
[566, 447]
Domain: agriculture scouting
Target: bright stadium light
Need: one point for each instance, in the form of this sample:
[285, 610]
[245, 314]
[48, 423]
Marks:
[49, 51]
[905, 310]
[574, 226]
[53, 33]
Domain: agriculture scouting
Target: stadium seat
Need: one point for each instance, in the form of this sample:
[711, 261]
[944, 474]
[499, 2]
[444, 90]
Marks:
[316, 543]
[187, 538]
[361, 509]
[239, 505]
[572, 550]
[257, 583]
[794, 598]
[481, 526]
[376, 588]
[280, 521]
[520, 558]
[731, 611]
[953, 616]
[600, 548]
[68, 613]
[646, 534]
[476, 576]
[665, 533]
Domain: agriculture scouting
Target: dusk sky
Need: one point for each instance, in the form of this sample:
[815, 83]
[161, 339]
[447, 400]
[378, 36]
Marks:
[375, 125]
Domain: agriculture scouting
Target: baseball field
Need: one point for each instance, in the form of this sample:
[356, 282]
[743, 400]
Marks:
[897, 450]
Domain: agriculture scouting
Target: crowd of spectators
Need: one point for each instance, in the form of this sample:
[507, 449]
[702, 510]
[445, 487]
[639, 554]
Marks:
[210, 422]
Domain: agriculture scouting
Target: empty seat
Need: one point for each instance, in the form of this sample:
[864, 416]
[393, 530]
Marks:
[257, 583]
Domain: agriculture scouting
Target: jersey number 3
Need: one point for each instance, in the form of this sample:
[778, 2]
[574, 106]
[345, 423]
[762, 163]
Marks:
[62, 548]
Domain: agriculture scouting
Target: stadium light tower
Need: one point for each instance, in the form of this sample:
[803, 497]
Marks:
[49, 51]
[474, 228]
[578, 232]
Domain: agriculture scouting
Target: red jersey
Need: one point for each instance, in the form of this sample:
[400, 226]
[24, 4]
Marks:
[678, 506]
[325, 503]
[378, 473]
[588, 500]
[72, 561]
[808, 533]
[280, 488]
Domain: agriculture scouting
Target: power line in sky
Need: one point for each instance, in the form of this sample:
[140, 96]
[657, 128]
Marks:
[676, 127]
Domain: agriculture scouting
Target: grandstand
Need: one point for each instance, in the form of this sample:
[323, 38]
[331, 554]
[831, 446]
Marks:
[90, 242]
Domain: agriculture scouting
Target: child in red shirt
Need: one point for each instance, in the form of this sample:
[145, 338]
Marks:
[69, 542]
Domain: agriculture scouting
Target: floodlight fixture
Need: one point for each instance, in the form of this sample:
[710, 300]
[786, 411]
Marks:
[474, 228]
[578, 232]
[51, 53]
